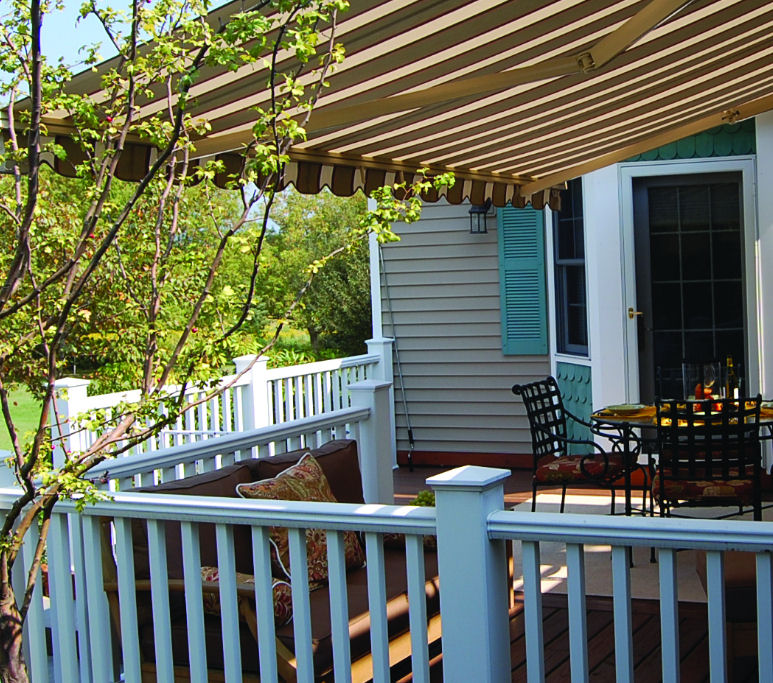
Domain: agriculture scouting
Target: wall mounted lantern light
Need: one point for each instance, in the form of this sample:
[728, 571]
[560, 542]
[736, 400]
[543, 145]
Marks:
[478, 214]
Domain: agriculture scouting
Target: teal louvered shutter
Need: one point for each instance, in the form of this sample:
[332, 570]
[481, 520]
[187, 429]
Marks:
[522, 281]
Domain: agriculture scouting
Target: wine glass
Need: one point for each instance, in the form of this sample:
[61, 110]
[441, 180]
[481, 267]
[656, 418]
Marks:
[710, 376]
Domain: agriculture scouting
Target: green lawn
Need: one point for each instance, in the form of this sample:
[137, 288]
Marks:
[25, 411]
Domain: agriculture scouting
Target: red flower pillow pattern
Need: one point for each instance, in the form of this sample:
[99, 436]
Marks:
[304, 481]
[283, 599]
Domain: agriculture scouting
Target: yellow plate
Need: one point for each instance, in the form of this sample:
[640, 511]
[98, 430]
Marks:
[626, 409]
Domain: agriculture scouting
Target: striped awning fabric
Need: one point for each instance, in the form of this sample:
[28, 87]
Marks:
[515, 97]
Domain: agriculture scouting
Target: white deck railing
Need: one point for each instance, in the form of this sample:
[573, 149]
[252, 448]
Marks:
[472, 528]
[255, 396]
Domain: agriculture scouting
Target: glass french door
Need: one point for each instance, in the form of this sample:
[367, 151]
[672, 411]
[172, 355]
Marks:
[688, 233]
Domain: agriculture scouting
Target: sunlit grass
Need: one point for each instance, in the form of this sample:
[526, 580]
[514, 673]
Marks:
[25, 412]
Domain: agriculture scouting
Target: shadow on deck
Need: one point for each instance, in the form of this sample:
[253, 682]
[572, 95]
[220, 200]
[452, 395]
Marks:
[693, 643]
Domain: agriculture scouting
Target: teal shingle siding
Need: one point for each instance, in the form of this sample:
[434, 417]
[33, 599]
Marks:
[733, 139]
[576, 391]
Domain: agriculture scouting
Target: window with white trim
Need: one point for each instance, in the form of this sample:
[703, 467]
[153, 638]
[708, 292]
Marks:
[569, 266]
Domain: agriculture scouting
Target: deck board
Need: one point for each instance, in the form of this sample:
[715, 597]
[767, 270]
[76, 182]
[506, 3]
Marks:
[693, 634]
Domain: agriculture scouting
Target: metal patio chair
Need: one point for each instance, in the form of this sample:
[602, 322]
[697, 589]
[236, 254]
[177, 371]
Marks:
[708, 454]
[559, 460]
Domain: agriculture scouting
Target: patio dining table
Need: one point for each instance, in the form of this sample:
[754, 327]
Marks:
[631, 425]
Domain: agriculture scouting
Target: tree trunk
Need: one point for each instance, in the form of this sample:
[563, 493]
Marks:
[13, 668]
[313, 338]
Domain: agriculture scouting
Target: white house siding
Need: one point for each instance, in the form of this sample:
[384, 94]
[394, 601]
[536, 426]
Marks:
[444, 294]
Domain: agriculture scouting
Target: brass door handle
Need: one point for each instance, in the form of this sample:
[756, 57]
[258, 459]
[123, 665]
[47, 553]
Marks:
[632, 314]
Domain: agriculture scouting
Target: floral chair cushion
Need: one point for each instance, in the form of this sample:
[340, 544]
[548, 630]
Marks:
[283, 599]
[566, 468]
[303, 481]
[703, 491]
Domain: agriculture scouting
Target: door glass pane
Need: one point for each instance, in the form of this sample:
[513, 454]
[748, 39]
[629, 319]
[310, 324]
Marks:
[725, 208]
[663, 209]
[727, 311]
[666, 266]
[726, 254]
[696, 257]
[694, 208]
[696, 271]
[697, 306]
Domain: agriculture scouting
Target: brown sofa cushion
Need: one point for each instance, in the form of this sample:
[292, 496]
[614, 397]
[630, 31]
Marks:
[339, 462]
[221, 482]
[359, 616]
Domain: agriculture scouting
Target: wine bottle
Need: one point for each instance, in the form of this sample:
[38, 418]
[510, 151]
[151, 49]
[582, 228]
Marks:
[731, 384]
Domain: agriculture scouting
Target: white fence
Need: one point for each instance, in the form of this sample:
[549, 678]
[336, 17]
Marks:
[253, 397]
[471, 527]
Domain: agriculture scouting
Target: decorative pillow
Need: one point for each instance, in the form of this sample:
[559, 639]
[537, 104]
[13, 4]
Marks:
[396, 541]
[304, 481]
[283, 599]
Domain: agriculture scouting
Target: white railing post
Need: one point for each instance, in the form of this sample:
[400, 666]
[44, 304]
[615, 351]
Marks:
[474, 598]
[385, 371]
[374, 442]
[69, 396]
[254, 403]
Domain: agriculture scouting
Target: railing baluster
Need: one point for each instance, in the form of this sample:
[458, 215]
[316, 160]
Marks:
[339, 608]
[336, 377]
[765, 615]
[216, 422]
[179, 438]
[297, 413]
[34, 625]
[62, 604]
[417, 607]
[99, 618]
[130, 645]
[621, 592]
[669, 615]
[81, 608]
[715, 590]
[578, 627]
[229, 610]
[191, 554]
[301, 607]
[202, 415]
[238, 407]
[228, 413]
[532, 608]
[159, 593]
[318, 393]
[261, 563]
[288, 396]
[379, 638]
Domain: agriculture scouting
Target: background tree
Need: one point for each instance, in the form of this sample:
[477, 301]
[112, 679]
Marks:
[115, 256]
[335, 309]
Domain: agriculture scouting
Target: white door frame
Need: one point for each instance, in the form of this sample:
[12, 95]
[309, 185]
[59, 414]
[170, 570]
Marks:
[745, 165]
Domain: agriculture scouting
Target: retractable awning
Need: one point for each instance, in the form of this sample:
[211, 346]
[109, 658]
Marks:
[514, 97]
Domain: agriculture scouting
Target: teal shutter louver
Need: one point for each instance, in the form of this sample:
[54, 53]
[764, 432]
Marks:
[523, 299]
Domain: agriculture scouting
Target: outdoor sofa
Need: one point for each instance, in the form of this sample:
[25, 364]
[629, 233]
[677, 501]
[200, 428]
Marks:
[339, 462]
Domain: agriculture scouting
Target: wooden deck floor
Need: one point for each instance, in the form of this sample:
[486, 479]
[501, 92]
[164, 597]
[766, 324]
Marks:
[601, 652]
[693, 643]
[517, 486]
